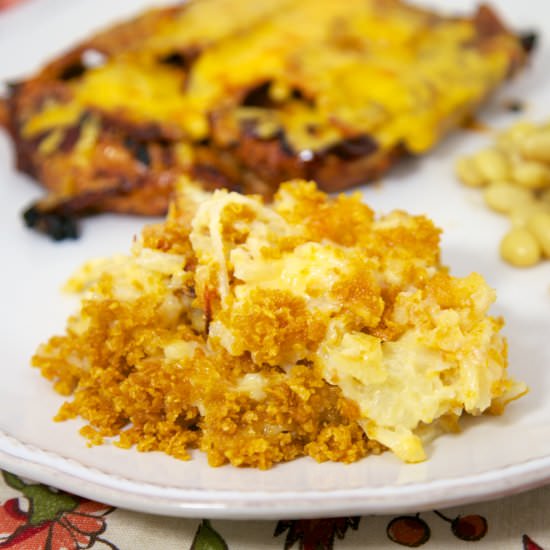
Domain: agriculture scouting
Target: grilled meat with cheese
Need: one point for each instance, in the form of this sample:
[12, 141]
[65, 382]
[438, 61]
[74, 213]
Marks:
[244, 95]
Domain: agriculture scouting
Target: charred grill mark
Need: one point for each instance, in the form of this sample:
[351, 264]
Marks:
[35, 140]
[13, 86]
[71, 135]
[249, 128]
[258, 96]
[298, 94]
[150, 131]
[139, 151]
[142, 154]
[182, 60]
[56, 225]
[204, 142]
[175, 59]
[72, 71]
[351, 148]
[70, 138]
[179, 60]
[57, 217]
[73, 64]
[529, 41]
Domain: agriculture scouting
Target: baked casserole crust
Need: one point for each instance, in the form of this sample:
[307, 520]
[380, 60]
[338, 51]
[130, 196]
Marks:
[261, 333]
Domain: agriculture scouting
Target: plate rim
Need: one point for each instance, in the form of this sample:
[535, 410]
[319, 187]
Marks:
[50, 468]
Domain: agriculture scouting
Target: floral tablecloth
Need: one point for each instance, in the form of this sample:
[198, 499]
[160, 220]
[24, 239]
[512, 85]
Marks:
[38, 517]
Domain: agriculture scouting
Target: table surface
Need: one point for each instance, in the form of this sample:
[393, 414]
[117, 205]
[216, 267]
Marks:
[38, 517]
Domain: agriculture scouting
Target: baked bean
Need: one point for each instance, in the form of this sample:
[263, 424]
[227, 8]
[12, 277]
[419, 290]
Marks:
[536, 146]
[531, 174]
[539, 225]
[492, 165]
[467, 172]
[520, 214]
[515, 172]
[502, 196]
[515, 135]
[520, 248]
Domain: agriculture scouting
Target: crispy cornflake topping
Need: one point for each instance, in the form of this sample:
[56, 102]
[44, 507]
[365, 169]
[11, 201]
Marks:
[259, 334]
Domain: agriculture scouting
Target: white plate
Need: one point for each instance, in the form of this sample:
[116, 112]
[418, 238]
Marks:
[492, 457]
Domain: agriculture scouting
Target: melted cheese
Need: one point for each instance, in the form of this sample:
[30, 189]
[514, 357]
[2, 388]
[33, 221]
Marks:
[365, 67]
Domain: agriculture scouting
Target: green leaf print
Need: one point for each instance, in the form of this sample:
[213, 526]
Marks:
[207, 538]
[44, 503]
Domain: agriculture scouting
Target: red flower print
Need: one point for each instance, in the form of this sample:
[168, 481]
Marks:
[413, 531]
[315, 534]
[11, 518]
[4, 4]
[469, 528]
[530, 544]
[54, 520]
[408, 531]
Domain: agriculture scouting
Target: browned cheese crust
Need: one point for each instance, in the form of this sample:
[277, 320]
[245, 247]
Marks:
[333, 92]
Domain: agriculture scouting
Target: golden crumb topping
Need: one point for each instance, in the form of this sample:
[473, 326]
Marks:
[260, 333]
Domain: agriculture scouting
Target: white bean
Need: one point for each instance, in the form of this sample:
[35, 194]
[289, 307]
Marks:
[539, 225]
[467, 172]
[520, 248]
[531, 174]
[492, 165]
[502, 196]
[536, 146]
[522, 213]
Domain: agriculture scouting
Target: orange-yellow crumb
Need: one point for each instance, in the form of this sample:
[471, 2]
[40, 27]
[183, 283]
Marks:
[259, 334]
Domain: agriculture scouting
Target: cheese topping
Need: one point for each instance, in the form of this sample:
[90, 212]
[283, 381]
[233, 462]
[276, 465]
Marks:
[360, 67]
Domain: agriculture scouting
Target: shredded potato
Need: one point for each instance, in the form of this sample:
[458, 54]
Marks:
[260, 333]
